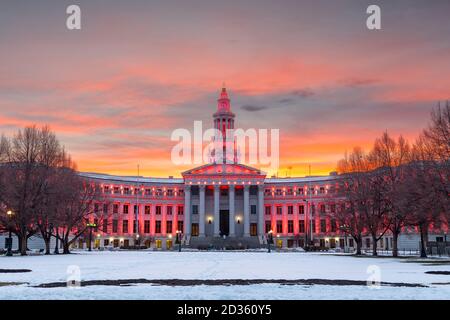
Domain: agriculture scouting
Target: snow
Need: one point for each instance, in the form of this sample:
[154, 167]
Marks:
[220, 265]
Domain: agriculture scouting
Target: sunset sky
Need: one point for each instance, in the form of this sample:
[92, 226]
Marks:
[116, 89]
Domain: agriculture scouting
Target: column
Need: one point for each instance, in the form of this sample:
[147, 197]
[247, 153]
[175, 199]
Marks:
[187, 210]
[284, 219]
[232, 211]
[202, 211]
[296, 220]
[152, 218]
[164, 220]
[174, 220]
[246, 211]
[216, 210]
[261, 213]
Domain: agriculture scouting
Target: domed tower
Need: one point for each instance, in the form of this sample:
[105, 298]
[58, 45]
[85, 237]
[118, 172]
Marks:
[223, 121]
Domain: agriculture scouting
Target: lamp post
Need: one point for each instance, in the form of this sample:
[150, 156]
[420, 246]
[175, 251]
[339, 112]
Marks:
[269, 240]
[345, 229]
[178, 240]
[91, 226]
[9, 240]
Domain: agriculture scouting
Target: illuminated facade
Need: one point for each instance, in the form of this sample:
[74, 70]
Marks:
[221, 205]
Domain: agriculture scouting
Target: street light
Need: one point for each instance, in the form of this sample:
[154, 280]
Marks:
[269, 240]
[91, 226]
[9, 240]
[178, 240]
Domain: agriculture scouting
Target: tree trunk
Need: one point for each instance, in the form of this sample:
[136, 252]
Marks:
[66, 248]
[394, 243]
[358, 246]
[374, 246]
[423, 248]
[47, 245]
[23, 244]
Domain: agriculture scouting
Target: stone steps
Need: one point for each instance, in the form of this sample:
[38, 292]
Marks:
[220, 243]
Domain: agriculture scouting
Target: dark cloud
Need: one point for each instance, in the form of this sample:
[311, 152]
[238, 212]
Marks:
[253, 108]
[303, 93]
[286, 100]
[359, 82]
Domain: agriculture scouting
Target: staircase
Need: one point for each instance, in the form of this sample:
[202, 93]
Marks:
[229, 243]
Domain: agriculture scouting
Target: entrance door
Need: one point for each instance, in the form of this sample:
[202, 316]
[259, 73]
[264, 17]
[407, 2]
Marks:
[224, 222]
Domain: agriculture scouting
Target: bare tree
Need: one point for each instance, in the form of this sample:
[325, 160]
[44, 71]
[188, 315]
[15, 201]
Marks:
[391, 158]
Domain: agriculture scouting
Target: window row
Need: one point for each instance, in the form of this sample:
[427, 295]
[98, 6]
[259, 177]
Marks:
[147, 209]
[301, 209]
[298, 191]
[333, 226]
[158, 192]
[127, 226]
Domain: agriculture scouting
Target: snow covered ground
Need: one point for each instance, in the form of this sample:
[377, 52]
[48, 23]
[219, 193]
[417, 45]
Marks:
[221, 265]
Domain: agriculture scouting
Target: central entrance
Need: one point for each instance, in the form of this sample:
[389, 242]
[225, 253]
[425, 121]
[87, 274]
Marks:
[224, 222]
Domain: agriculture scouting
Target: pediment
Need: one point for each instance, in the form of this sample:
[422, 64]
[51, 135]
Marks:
[224, 169]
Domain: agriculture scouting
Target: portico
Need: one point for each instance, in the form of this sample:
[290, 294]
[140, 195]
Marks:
[220, 199]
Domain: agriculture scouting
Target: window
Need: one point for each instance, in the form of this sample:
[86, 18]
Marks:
[350, 242]
[323, 225]
[322, 208]
[301, 209]
[194, 230]
[290, 226]
[169, 210]
[279, 226]
[115, 208]
[106, 242]
[290, 209]
[268, 226]
[268, 210]
[105, 208]
[180, 211]
[322, 190]
[125, 209]
[105, 226]
[253, 229]
[106, 189]
[301, 226]
[126, 190]
[147, 209]
[134, 226]
[279, 210]
[313, 209]
[157, 226]
[322, 243]
[313, 226]
[158, 210]
[333, 225]
[194, 209]
[180, 226]
[125, 226]
[253, 209]
[168, 226]
[169, 192]
[147, 226]
[136, 209]
[114, 226]
[116, 190]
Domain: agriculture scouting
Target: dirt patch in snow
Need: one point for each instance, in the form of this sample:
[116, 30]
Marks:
[225, 282]
[439, 272]
[14, 270]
